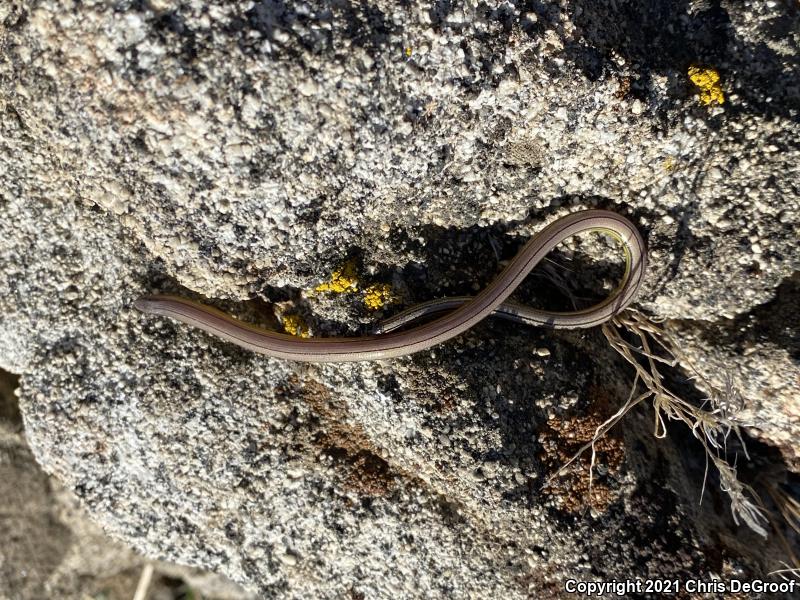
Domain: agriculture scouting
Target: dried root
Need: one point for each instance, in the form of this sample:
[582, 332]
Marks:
[712, 423]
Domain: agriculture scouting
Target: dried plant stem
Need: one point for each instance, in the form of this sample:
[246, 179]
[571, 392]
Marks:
[711, 423]
[144, 582]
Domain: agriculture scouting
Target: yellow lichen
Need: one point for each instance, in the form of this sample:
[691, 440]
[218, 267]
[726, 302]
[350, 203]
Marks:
[709, 83]
[343, 279]
[295, 325]
[378, 295]
[669, 163]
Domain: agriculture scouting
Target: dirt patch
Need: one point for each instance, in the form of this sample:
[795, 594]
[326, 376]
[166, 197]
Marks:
[10, 416]
[561, 439]
[359, 461]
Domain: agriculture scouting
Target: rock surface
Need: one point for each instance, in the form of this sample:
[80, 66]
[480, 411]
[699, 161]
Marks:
[51, 549]
[246, 150]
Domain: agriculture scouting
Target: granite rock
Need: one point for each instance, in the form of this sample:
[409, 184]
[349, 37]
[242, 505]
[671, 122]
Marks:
[52, 549]
[246, 150]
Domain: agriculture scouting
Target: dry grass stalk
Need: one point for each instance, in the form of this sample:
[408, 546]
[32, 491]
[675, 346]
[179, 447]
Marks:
[711, 423]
